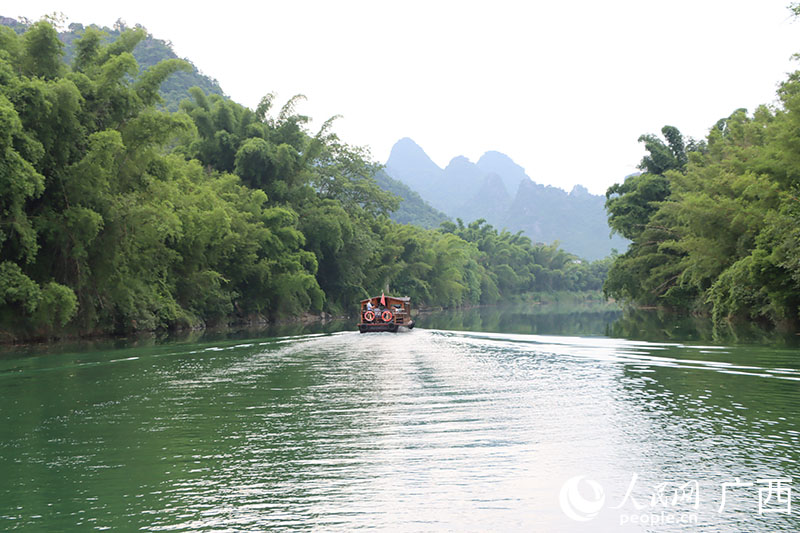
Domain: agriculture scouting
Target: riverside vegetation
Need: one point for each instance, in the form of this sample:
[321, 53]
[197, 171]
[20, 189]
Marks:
[715, 224]
[118, 215]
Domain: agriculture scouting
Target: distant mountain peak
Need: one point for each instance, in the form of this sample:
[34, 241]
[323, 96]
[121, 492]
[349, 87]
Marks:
[502, 165]
[407, 143]
[499, 191]
[579, 190]
[409, 163]
[408, 150]
[494, 184]
[493, 158]
[459, 161]
[406, 147]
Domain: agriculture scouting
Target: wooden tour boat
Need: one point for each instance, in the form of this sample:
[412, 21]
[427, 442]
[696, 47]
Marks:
[385, 313]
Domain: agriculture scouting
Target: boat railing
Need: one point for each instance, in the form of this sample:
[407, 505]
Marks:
[399, 313]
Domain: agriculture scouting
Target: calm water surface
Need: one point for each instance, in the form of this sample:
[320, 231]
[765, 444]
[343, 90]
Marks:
[545, 428]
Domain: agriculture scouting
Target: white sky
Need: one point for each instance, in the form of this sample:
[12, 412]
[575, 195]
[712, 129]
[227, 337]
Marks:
[563, 88]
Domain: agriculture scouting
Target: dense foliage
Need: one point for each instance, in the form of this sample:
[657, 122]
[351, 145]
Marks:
[148, 52]
[714, 224]
[117, 216]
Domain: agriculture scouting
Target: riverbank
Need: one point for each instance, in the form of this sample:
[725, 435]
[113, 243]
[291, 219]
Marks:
[261, 323]
[289, 324]
[550, 313]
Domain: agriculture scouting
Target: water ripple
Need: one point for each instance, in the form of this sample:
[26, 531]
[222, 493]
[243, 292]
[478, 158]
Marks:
[425, 430]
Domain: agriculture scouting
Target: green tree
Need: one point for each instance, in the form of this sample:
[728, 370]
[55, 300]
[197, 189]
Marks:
[41, 52]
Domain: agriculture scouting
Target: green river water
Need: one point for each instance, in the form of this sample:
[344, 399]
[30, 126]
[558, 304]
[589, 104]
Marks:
[486, 420]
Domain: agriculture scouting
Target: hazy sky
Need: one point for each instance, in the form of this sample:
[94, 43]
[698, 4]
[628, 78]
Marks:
[564, 88]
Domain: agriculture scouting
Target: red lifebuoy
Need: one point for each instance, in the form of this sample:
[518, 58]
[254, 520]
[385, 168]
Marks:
[387, 316]
[369, 316]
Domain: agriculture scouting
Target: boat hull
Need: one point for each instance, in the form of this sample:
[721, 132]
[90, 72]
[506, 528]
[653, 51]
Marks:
[377, 327]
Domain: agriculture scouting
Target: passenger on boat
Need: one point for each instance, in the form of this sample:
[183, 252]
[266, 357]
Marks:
[370, 307]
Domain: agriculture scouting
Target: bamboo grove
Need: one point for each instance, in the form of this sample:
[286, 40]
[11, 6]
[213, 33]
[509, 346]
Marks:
[117, 216]
[715, 224]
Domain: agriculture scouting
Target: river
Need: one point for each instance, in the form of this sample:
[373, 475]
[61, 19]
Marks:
[479, 421]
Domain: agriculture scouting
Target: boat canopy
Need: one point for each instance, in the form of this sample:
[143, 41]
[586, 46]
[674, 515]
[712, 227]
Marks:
[395, 298]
